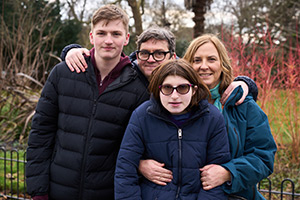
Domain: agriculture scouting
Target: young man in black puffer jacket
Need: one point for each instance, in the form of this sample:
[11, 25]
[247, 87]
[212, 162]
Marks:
[80, 119]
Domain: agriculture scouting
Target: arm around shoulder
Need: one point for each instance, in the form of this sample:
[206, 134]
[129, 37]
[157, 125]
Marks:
[66, 49]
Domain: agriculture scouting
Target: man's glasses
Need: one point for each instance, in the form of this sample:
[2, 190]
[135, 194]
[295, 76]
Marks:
[181, 89]
[157, 55]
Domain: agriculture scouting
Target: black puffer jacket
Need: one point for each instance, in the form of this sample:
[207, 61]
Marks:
[76, 133]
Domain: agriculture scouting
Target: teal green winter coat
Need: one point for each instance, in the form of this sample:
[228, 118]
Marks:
[251, 144]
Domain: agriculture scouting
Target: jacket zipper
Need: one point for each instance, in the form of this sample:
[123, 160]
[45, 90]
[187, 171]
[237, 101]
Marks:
[179, 161]
[179, 144]
[83, 164]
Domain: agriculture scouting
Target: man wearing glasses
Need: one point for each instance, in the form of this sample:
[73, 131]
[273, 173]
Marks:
[155, 45]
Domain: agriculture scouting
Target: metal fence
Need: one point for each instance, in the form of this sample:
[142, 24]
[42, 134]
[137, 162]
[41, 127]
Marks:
[13, 186]
[12, 174]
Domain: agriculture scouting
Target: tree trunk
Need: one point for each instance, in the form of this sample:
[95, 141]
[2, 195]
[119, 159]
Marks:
[199, 10]
[135, 7]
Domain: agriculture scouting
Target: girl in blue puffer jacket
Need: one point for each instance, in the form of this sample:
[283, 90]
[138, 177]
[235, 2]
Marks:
[177, 127]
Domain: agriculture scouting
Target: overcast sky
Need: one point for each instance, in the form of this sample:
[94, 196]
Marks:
[215, 16]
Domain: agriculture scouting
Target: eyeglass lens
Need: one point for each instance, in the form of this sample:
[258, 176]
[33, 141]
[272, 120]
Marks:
[181, 89]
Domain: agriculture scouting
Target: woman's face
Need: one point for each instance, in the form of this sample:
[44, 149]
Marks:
[207, 63]
[175, 102]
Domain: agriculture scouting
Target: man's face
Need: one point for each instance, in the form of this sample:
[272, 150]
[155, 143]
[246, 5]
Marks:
[109, 39]
[153, 45]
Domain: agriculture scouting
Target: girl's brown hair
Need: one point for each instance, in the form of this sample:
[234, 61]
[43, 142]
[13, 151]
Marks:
[182, 68]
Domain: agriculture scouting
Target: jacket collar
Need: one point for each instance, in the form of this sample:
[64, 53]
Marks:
[127, 74]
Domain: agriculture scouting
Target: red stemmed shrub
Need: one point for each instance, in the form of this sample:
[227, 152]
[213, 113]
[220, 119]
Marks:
[276, 71]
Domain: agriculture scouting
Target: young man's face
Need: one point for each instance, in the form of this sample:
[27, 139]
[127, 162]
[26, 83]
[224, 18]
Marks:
[151, 46]
[109, 39]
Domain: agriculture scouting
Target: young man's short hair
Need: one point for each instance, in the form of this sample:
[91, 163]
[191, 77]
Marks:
[108, 13]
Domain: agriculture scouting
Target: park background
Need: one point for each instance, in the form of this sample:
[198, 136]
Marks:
[262, 37]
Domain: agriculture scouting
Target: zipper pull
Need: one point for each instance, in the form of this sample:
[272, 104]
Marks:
[180, 134]
[101, 83]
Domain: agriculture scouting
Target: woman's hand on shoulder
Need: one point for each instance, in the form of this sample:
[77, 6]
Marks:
[230, 89]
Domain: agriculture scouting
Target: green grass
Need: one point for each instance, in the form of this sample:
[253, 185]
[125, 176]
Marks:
[282, 109]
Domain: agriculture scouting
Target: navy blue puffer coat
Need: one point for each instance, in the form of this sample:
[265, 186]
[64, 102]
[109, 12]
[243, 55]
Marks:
[151, 135]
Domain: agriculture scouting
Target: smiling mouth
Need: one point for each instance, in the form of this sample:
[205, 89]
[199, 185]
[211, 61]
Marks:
[205, 75]
[150, 67]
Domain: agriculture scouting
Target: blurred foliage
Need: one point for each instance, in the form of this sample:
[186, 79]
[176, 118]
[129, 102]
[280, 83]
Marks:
[252, 19]
[32, 37]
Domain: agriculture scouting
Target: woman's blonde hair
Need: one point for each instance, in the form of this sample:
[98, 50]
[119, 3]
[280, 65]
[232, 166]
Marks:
[227, 72]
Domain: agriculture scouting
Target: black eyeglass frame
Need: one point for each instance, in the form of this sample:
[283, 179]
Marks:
[176, 88]
[153, 55]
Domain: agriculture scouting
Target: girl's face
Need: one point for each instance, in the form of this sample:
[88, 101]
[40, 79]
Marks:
[207, 63]
[176, 100]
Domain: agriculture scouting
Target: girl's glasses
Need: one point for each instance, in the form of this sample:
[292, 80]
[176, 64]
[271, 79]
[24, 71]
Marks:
[168, 89]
